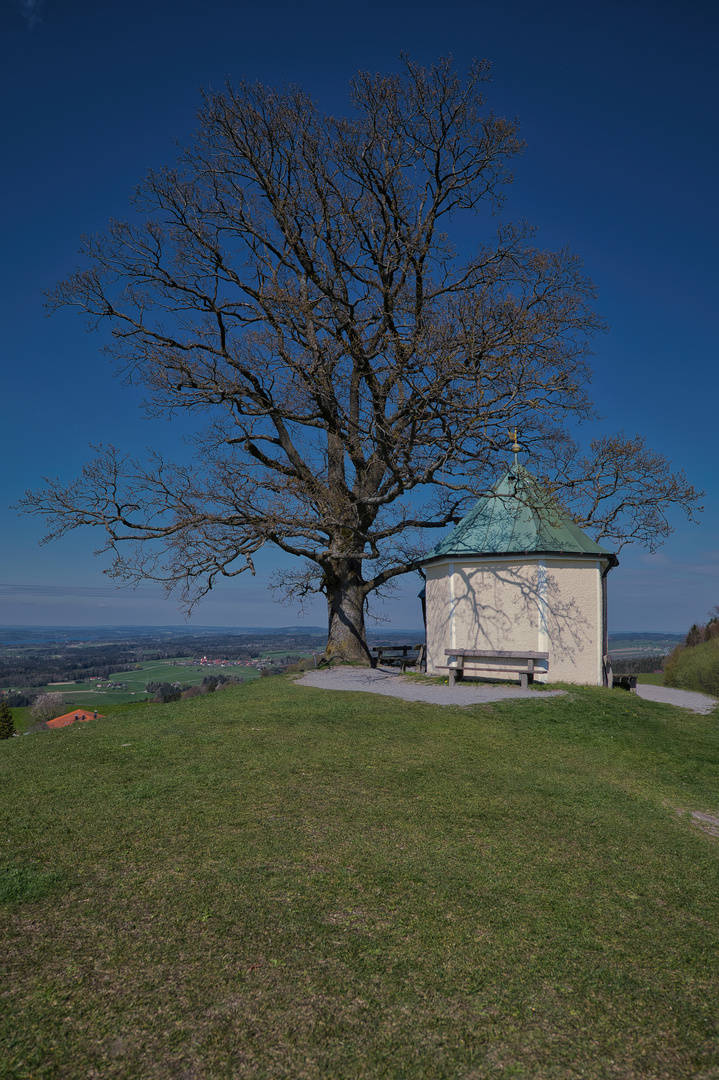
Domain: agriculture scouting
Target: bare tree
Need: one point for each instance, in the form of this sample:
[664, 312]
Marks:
[293, 278]
[46, 707]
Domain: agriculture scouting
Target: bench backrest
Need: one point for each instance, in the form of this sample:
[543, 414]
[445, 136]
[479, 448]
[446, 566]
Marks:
[511, 654]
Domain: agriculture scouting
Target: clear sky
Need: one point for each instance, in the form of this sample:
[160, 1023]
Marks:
[618, 103]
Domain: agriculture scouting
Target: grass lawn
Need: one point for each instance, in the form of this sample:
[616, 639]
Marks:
[651, 678]
[279, 882]
[85, 696]
[21, 716]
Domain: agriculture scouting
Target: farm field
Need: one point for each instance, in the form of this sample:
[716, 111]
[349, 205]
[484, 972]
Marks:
[82, 696]
[70, 660]
[626, 645]
[87, 696]
[175, 671]
[280, 882]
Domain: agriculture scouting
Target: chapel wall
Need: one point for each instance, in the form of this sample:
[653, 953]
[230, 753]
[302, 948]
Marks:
[504, 604]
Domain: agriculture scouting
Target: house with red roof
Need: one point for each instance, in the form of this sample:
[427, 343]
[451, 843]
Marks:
[69, 718]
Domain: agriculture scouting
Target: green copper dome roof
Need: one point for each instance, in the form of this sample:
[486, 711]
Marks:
[518, 517]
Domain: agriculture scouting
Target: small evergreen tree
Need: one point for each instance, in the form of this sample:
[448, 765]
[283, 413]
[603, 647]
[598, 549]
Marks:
[7, 724]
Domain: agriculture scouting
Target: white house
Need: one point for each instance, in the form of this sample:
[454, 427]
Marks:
[516, 574]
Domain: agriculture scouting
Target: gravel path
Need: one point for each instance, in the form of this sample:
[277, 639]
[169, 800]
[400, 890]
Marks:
[389, 681]
[686, 699]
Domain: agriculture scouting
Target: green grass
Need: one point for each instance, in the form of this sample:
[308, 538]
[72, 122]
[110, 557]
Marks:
[84, 696]
[21, 716]
[651, 678]
[278, 882]
[166, 671]
[20, 883]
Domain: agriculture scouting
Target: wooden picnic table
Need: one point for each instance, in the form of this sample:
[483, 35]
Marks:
[400, 654]
[624, 682]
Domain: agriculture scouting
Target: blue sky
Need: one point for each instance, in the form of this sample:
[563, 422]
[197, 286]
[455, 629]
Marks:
[618, 104]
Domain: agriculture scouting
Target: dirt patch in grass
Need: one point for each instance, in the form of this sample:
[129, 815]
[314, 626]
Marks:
[708, 823]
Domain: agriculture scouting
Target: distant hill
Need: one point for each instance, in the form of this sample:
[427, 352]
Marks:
[17, 635]
[625, 643]
[43, 635]
[642, 643]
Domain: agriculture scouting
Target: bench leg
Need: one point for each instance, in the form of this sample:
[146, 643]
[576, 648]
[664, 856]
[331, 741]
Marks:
[456, 670]
[524, 680]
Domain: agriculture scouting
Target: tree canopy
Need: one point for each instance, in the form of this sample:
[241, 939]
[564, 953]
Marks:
[294, 278]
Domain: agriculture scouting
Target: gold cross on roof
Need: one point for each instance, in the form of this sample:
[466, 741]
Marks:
[516, 447]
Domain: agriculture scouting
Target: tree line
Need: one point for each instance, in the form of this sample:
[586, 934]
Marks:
[638, 665]
[694, 665]
[29, 671]
[165, 692]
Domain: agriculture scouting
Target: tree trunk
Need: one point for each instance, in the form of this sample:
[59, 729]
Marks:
[345, 609]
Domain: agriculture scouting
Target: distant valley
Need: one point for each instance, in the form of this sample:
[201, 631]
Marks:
[99, 666]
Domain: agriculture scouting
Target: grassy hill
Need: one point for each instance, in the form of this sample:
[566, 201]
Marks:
[278, 882]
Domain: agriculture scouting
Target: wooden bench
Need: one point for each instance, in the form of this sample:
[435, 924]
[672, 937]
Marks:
[399, 654]
[522, 665]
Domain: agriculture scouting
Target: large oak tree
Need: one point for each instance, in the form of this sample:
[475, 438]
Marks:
[295, 278]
